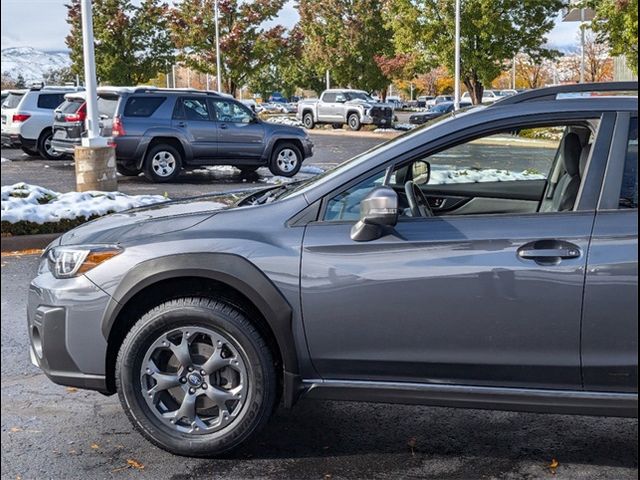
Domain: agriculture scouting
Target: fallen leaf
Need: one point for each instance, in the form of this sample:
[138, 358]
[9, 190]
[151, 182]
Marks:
[15, 429]
[95, 446]
[134, 464]
[71, 389]
[554, 465]
[412, 444]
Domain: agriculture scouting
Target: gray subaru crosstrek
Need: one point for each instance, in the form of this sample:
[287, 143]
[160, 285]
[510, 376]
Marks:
[488, 259]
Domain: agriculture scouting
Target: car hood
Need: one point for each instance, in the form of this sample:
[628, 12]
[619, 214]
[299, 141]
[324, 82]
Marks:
[159, 219]
[367, 104]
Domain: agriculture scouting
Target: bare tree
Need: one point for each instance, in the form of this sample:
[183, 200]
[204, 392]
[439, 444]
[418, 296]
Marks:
[598, 62]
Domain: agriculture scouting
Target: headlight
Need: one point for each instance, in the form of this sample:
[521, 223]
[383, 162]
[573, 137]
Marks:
[71, 261]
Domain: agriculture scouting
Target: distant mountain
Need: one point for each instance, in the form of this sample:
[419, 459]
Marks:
[32, 64]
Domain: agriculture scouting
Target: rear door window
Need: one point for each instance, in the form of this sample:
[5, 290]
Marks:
[192, 109]
[12, 100]
[142, 106]
[50, 101]
[629, 191]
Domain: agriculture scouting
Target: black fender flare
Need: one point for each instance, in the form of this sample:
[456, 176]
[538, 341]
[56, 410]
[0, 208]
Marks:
[232, 270]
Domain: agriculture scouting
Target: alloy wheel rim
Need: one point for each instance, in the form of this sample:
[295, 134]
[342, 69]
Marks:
[49, 148]
[287, 160]
[195, 380]
[163, 163]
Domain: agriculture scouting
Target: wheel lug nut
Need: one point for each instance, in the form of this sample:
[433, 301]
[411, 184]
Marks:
[202, 372]
[192, 390]
[204, 386]
[190, 369]
[183, 380]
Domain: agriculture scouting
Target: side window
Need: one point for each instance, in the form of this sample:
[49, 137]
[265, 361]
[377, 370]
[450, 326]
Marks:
[50, 101]
[142, 106]
[340, 98]
[329, 97]
[346, 205]
[232, 112]
[629, 191]
[526, 154]
[192, 109]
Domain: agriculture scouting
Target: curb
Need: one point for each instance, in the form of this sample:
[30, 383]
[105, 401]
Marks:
[27, 242]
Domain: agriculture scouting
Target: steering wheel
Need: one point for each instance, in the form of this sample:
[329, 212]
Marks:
[418, 203]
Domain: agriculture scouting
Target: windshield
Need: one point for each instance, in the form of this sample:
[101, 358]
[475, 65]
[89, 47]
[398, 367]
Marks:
[358, 96]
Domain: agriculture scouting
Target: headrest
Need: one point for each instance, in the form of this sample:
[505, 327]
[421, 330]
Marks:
[571, 148]
[584, 158]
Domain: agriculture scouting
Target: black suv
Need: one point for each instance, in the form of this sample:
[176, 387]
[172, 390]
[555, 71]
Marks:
[161, 131]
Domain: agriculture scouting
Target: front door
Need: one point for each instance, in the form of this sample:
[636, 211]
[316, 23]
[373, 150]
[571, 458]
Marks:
[192, 118]
[488, 292]
[240, 136]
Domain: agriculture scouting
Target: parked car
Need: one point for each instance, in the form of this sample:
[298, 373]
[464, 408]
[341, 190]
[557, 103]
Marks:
[438, 100]
[423, 99]
[339, 107]
[488, 260]
[488, 96]
[3, 97]
[396, 102]
[69, 126]
[161, 131]
[434, 112]
[27, 124]
[508, 92]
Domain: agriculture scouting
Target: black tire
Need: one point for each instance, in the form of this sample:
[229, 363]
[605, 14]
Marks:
[44, 147]
[192, 313]
[308, 121]
[159, 153]
[127, 171]
[354, 122]
[282, 161]
[30, 152]
[336, 126]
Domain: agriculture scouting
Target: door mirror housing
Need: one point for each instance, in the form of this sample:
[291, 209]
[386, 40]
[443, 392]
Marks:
[378, 213]
[421, 172]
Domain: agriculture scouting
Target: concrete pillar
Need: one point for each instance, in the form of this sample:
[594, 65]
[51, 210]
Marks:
[96, 169]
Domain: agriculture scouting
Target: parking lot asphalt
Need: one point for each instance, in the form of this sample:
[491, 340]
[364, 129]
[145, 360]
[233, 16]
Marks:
[52, 432]
[330, 149]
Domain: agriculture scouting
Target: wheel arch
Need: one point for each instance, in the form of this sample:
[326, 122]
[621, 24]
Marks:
[227, 276]
[162, 138]
[273, 143]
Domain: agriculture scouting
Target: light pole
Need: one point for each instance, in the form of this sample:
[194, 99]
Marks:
[582, 54]
[93, 138]
[95, 159]
[219, 78]
[456, 97]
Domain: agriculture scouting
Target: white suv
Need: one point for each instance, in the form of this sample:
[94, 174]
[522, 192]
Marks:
[27, 118]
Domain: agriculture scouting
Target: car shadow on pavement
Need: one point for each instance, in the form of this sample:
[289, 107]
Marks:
[343, 437]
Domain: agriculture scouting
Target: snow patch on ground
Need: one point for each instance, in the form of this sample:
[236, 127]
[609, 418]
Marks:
[32, 203]
[444, 174]
[311, 170]
[4, 160]
[398, 127]
[282, 120]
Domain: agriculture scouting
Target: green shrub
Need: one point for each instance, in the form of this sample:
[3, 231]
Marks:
[25, 227]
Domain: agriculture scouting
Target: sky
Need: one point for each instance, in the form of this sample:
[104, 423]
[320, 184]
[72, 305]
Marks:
[41, 24]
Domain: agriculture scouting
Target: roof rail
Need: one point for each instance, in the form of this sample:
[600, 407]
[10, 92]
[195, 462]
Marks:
[178, 90]
[551, 93]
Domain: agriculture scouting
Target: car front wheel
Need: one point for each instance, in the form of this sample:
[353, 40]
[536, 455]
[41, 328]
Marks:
[286, 160]
[195, 377]
[162, 163]
[308, 121]
[354, 122]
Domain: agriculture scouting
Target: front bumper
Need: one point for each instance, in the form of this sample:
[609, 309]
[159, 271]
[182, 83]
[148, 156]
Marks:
[65, 146]
[64, 320]
[307, 148]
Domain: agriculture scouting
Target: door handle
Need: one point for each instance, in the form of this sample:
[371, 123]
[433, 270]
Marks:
[549, 252]
[223, 126]
[182, 124]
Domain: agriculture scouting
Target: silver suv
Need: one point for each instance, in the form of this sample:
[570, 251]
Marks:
[488, 259]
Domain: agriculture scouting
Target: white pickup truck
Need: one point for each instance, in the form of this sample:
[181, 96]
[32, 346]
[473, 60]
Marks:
[339, 107]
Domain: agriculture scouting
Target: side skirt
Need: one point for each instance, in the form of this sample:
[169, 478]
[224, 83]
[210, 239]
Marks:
[491, 398]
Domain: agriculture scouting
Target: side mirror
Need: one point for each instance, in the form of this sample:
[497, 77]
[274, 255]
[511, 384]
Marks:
[378, 212]
[421, 172]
